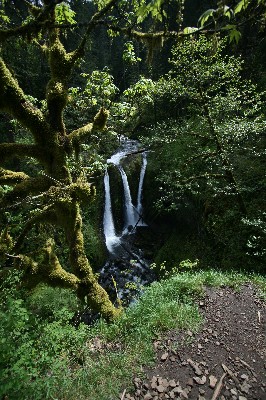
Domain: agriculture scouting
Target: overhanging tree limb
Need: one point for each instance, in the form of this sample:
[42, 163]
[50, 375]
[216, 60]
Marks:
[99, 123]
[46, 216]
[14, 102]
[10, 150]
[33, 27]
[25, 188]
[95, 20]
[8, 177]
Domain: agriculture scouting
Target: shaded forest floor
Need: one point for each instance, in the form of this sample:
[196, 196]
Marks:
[226, 359]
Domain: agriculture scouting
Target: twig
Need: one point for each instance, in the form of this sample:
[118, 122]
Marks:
[218, 387]
[259, 317]
[123, 394]
[226, 369]
[246, 364]
[10, 255]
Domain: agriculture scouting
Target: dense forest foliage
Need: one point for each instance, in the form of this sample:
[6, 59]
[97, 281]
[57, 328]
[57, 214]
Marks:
[187, 80]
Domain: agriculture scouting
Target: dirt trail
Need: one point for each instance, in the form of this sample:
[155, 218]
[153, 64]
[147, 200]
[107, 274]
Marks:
[225, 360]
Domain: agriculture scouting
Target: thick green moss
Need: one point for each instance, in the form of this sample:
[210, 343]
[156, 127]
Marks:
[25, 188]
[13, 101]
[61, 195]
[100, 119]
[6, 243]
[11, 178]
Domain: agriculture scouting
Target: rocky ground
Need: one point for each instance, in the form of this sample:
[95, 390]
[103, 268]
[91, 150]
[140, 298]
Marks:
[225, 360]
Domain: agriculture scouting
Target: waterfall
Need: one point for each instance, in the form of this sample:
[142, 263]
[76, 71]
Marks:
[141, 180]
[126, 271]
[132, 214]
[111, 239]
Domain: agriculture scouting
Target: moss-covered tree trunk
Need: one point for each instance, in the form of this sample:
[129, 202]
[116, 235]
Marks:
[51, 146]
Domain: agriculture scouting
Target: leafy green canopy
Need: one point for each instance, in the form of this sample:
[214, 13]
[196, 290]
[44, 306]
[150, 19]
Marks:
[212, 153]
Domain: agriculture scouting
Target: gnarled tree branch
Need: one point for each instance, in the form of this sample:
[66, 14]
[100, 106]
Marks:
[10, 150]
[14, 102]
[8, 177]
[46, 216]
[25, 188]
[33, 27]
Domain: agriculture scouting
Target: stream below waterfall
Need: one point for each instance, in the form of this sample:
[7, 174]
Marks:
[125, 272]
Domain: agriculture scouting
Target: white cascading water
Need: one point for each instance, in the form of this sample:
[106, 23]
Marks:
[132, 214]
[126, 263]
[141, 180]
[111, 239]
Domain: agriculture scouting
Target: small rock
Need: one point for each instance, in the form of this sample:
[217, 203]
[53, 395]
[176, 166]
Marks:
[245, 387]
[160, 388]
[190, 382]
[234, 392]
[201, 391]
[148, 396]
[242, 398]
[244, 376]
[164, 356]
[137, 382]
[177, 389]
[201, 397]
[156, 344]
[146, 385]
[183, 395]
[200, 346]
[200, 381]
[172, 383]
[165, 383]
[197, 370]
[189, 333]
[217, 343]
[213, 381]
[203, 363]
[172, 358]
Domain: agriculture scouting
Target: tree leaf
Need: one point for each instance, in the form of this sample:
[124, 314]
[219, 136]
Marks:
[228, 12]
[241, 5]
[205, 16]
[234, 35]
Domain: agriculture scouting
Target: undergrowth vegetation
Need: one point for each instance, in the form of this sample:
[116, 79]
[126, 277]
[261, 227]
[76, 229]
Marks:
[45, 353]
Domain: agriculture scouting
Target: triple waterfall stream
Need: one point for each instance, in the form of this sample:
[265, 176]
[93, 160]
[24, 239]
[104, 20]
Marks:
[126, 272]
